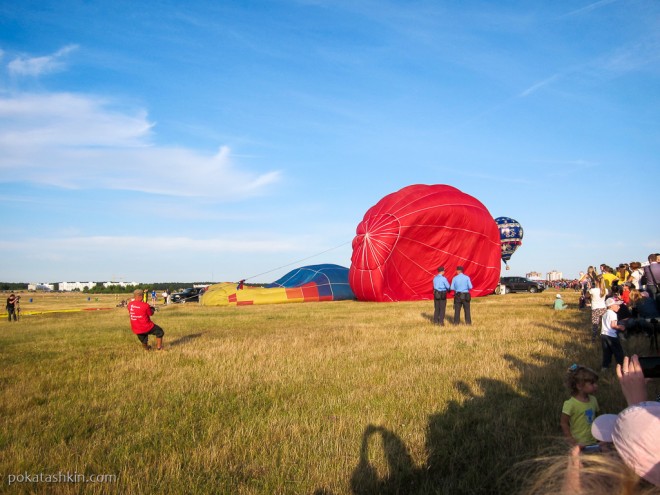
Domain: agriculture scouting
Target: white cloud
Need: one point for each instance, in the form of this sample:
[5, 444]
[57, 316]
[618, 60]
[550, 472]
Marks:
[36, 66]
[631, 57]
[67, 246]
[67, 120]
[139, 257]
[78, 141]
[536, 86]
[588, 8]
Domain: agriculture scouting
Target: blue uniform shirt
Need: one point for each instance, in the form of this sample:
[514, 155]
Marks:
[461, 283]
[440, 282]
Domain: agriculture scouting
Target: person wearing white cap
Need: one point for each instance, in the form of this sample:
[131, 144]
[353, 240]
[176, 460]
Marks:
[635, 431]
[559, 303]
[633, 467]
[609, 337]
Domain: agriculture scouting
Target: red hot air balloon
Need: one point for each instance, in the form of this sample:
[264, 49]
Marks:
[407, 235]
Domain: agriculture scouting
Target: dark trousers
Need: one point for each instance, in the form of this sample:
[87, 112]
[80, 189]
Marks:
[439, 314]
[156, 331]
[458, 303]
[611, 347]
[11, 313]
[653, 293]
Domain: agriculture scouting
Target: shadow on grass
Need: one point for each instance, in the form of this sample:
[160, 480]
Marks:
[469, 448]
[185, 339]
[401, 468]
[427, 316]
[580, 321]
[474, 445]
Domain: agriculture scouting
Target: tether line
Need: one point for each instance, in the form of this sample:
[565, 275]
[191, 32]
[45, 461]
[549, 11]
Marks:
[298, 261]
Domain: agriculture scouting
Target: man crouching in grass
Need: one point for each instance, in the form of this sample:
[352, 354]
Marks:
[141, 324]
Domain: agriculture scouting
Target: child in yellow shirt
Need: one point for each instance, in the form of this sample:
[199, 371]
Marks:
[579, 412]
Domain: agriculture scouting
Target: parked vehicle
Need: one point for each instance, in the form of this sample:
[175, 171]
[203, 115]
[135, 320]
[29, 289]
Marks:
[521, 284]
[190, 294]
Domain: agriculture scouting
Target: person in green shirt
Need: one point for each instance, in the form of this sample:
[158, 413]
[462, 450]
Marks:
[559, 303]
[579, 412]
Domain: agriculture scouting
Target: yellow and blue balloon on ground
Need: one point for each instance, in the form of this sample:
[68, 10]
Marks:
[325, 282]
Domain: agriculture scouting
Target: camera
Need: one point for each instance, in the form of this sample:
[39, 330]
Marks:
[650, 366]
[590, 449]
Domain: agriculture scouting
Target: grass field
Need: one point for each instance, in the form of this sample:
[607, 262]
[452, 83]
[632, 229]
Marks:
[316, 398]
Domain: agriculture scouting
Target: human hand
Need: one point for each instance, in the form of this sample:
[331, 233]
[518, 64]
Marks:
[632, 381]
[572, 477]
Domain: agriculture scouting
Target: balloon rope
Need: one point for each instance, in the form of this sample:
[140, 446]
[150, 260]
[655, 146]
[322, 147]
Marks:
[298, 261]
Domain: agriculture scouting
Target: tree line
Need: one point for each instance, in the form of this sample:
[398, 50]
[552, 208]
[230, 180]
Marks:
[112, 289]
[158, 286]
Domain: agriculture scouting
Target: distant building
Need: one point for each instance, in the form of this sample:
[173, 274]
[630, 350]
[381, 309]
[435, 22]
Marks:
[120, 284]
[534, 275]
[41, 286]
[554, 275]
[70, 286]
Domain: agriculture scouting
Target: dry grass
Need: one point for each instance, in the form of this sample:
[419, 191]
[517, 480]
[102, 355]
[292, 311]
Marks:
[341, 398]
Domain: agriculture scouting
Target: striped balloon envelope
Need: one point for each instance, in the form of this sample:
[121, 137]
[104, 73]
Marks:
[325, 282]
[407, 235]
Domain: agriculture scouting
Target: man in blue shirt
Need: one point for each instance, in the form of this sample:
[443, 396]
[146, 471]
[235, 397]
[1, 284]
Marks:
[440, 288]
[461, 285]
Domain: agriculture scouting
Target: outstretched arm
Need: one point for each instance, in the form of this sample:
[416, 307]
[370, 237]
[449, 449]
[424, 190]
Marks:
[631, 379]
[572, 479]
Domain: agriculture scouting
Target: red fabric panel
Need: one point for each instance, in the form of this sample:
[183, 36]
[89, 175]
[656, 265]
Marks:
[310, 292]
[403, 239]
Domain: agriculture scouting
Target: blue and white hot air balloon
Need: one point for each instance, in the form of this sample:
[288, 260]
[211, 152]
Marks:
[511, 235]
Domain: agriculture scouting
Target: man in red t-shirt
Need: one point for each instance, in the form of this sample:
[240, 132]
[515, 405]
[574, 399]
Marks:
[141, 324]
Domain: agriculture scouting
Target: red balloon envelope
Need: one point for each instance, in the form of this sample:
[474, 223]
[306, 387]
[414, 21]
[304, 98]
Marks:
[407, 235]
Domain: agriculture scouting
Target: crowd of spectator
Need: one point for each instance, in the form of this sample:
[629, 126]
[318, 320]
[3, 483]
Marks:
[622, 300]
[633, 274]
[633, 285]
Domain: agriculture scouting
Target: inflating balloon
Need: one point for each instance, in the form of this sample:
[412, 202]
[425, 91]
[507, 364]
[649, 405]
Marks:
[325, 282]
[511, 235]
[407, 235]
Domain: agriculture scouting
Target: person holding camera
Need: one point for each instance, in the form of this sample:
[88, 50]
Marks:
[12, 307]
[461, 285]
[632, 466]
[440, 289]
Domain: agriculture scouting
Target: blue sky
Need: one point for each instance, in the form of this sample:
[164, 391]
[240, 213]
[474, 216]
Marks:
[172, 141]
